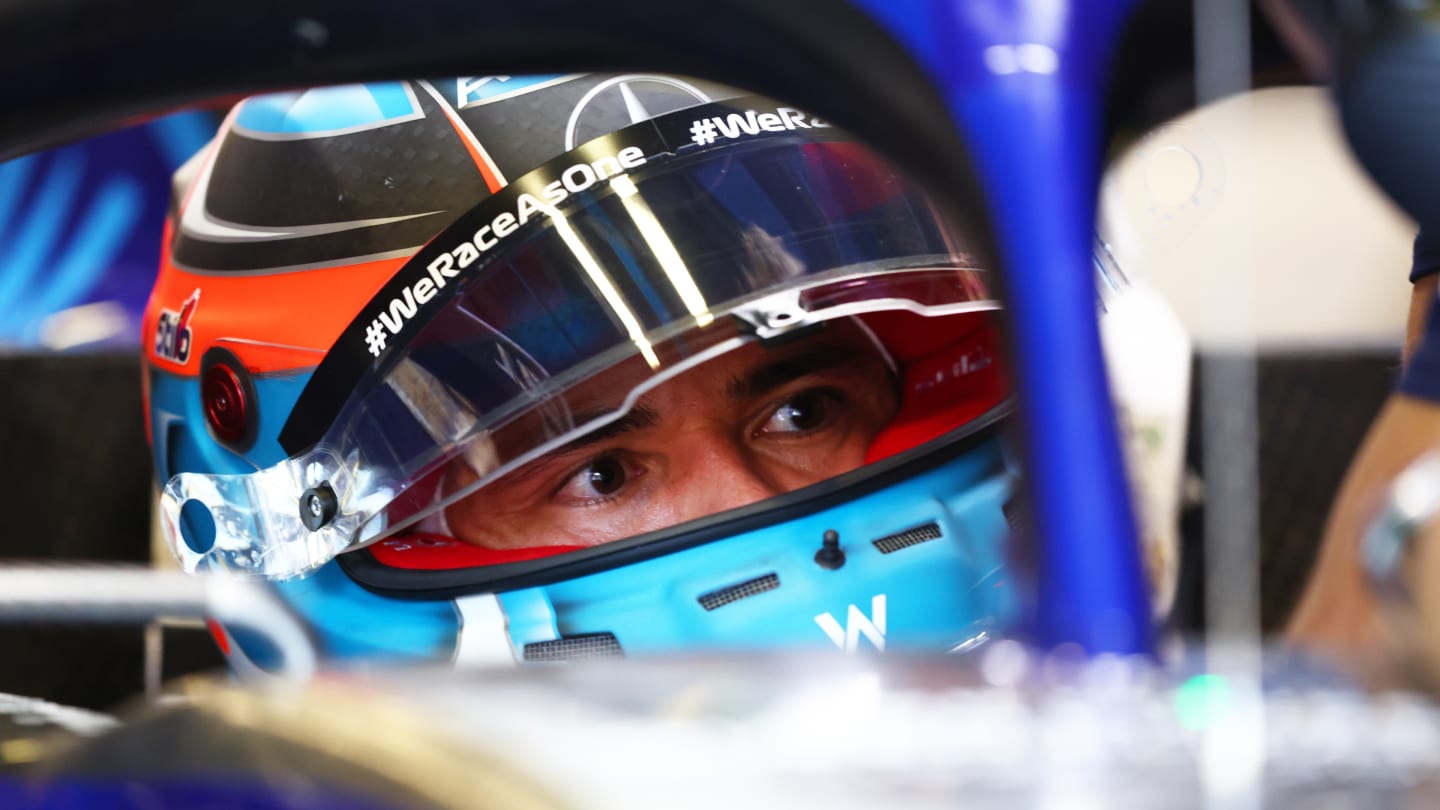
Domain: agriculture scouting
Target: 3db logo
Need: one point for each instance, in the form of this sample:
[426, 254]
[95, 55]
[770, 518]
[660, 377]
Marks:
[172, 332]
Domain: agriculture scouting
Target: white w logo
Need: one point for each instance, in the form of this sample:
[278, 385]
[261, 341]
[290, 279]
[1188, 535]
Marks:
[856, 623]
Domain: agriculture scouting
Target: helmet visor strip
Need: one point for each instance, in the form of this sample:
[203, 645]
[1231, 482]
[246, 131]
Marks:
[625, 284]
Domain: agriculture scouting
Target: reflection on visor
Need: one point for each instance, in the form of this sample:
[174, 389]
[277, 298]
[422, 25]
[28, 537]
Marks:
[697, 269]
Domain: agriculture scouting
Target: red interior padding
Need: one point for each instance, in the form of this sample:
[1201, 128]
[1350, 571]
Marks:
[432, 552]
[950, 373]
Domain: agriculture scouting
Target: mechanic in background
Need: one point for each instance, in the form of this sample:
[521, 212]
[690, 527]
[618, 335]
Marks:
[1340, 614]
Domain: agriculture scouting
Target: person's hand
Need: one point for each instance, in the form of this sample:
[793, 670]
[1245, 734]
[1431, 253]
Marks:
[1340, 615]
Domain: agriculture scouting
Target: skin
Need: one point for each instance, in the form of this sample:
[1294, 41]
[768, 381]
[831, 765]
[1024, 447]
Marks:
[749, 425]
[1338, 616]
[1420, 297]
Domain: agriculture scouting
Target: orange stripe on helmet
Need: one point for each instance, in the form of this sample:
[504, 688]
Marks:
[273, 323]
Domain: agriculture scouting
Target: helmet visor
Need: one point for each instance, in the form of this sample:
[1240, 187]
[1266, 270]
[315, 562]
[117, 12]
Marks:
[528, 341]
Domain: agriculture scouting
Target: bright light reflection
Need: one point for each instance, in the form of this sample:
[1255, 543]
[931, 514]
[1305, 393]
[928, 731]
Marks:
[662, 248]
[605, 285]
[1028, 57]
[88, 323]
[1071, 795]
[1005, 663]
[1232, 759]
[822, 713]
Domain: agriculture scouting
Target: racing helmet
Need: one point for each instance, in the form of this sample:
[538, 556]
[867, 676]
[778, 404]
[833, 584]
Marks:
[499, 369]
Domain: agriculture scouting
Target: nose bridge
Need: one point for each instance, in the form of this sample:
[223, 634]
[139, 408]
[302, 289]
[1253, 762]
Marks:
[722, 475]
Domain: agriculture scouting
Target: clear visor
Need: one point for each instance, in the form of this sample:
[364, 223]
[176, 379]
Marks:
[711, 270]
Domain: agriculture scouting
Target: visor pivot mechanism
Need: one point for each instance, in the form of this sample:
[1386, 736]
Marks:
[777, 318]
[318, 506]
[830, 556]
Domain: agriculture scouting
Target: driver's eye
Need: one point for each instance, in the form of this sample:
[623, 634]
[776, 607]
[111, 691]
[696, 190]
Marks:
[601, 477]
[803, 412]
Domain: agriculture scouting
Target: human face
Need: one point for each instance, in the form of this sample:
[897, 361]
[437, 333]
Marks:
[754, 423]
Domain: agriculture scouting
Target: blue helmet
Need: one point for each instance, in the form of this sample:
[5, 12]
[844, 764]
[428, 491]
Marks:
[539, 368]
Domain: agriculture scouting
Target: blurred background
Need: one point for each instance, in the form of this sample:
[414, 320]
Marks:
[81, 225]
[1248, 204]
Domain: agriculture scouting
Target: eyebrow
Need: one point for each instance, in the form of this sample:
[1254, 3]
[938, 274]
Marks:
[788, 369]
[637, 418]
[756, 384]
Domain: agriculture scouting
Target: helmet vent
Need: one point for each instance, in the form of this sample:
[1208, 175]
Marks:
[894, 542]
[575, 648]
[738, 591]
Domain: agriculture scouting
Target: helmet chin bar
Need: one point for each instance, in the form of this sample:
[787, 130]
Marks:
[925, 569]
